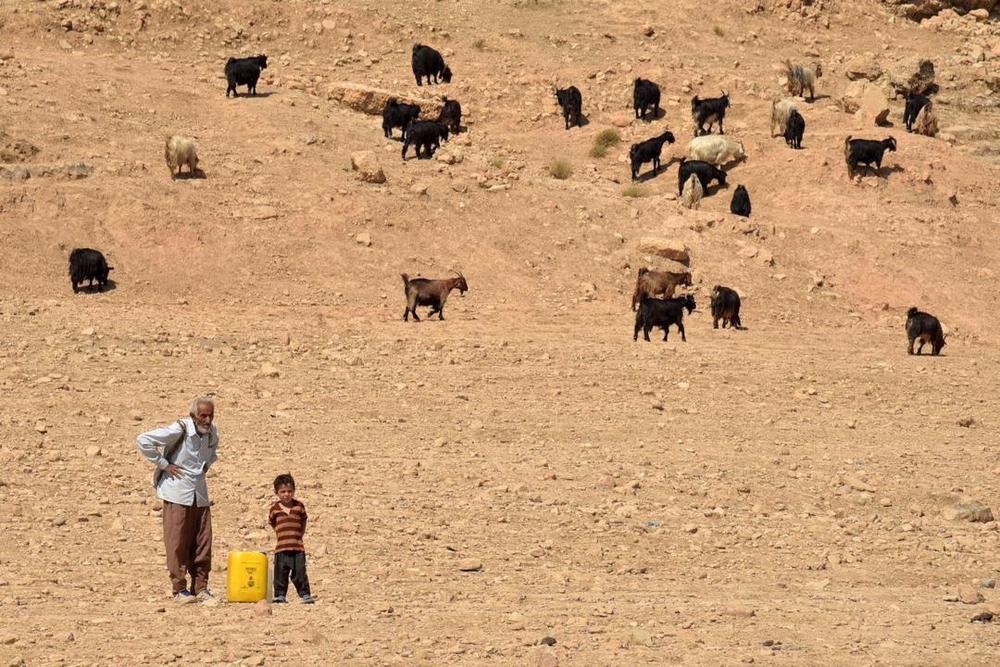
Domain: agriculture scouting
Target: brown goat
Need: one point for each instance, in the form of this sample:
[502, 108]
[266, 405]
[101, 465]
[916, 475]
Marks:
[430, 292]
[652, 283]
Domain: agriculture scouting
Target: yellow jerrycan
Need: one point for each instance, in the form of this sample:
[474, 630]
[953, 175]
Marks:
[247, 580]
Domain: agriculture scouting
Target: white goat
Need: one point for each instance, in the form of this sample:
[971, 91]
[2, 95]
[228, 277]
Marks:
[781, 110]
[181, 151]
[693, 192]
[801, 77]
[717, 149]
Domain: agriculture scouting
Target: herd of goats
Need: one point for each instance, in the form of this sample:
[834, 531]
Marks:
[653, 300]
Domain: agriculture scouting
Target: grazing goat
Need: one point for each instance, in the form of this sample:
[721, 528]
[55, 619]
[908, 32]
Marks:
[740, 205]
[244, 72]
[645, 94]
[925, 328]
[866, 152]
[705, 172]
[692, 193]
[430, 292]
[711, 110]
[801, 77]
[571, 102]
[428, 63]
[88, 264]
[425, 134]
[651, 283]
[914, 103]
[398, 114]
[725, 307]
[451, 115]
[716, 149]
[648, 151]
[927, 122]
[795, 129]
[181, 151]
[780, 111]
[662, 313]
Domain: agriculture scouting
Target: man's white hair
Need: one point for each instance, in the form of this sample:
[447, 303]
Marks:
[201, 400]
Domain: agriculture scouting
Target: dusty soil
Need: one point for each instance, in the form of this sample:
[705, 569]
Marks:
[779, 495]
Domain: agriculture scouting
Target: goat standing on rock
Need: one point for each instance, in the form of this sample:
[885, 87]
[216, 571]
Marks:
[430, 292]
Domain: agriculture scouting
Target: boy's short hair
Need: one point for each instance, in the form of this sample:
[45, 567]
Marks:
[283, 480]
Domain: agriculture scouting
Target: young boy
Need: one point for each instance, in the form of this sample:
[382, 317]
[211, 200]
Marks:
[288, 518]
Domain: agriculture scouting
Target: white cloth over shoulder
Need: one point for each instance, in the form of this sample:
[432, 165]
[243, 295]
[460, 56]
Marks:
[194, 457]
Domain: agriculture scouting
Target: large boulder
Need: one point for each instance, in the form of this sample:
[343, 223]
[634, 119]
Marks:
[372, 100]
[874, 106]
[367, 166]
[863, 67]
[912, 75]
[667, 248]
[922, 9]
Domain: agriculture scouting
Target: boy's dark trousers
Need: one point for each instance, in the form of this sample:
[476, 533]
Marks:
[294, 563]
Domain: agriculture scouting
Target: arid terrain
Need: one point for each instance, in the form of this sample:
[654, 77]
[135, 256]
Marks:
[796, 493]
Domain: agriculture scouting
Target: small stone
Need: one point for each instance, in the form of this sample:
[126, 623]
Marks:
[966, 422]
[93, 451]
[363, 238]
[418, 189]
[973, 511]
[268, 370]
[983, 617]
[690, 528]
[647, 30]
[738, 612]
[41, 427]
[470, 565]
[969, 595]
[262, 608]
[59, 521]
[254, 661]
[547, 641]
[135, 415]
[367, 166]
[989, 582]
[638, 637]
[89, 331]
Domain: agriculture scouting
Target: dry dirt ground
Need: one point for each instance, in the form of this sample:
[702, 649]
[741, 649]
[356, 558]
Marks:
[781, 495]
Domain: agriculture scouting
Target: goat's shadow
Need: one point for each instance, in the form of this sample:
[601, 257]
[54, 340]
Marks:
[198, 174]
[583, 122]
[248, 96]
[649, 118]
[96, 289]
[882, 173]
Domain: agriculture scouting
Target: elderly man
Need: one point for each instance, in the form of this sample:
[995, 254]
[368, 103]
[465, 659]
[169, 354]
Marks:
[182, 453]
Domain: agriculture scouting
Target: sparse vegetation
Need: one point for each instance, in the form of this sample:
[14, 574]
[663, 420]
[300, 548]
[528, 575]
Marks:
[561, 169]
[496, 162]
[635, 190]
[479, 44]
[604, 140]
[718, 30]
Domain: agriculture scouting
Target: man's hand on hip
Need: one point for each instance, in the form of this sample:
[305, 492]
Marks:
[174, 471]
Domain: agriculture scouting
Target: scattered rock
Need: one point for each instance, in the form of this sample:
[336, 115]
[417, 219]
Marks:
[41, 427]
[983, 617]
[418, 189]
[268, 370]
[863, 67]
[262, 608]
[638, 637]
[969, 595]
[873, 106]
[544, 657]
[647, 30]
[469, 565]
[93, 451]
[135, 415]
[989, 582]
[363, 238]
[367, 166]
[970, 510]
[671, 249]
[690, 528]
[738, 612]
[547, 641]
[371, 101]
[966, 422]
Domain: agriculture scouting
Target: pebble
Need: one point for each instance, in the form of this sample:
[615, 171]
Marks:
[93, 451]
[135, 415]
[41, 427]
[690, 528]
[969, 595]
[989, 582]
[470, 565]
[363, 238]
[738, 612]
[262, 608]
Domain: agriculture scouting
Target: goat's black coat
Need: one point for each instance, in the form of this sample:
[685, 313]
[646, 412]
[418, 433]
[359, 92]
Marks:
[428, 63]
[398, 114]
[88, 264]
[705, 171]
[794, 130]
[244, 72]
[866, 152]
[661, 313]
[925, 328]
[914, 103]
[710, 110]
[648, 150]
[740, 205]
[451, 115]
[725, 307]
[571, 102]
[645, 94]
[425, 134]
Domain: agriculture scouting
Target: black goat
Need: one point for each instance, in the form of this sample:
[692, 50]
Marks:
[451, 115]
[662, 313]
[398, 114]
[425, 134]
[428, 63]
[925, 328]
[705, 171]
[648, 150]
[794, 130]
[645, 94]
[88, 264]
[740, 205]
[711, 110]
[244, 72]
[866, 152]
[725, 307]
[914, 103]
[430, 292]
[571, 102]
